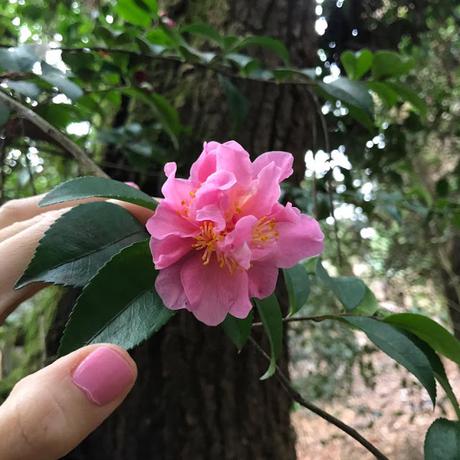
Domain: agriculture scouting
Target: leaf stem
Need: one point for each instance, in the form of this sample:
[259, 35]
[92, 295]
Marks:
[297, 397]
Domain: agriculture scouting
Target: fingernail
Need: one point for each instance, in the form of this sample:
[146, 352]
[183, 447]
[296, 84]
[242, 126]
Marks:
[103, 375]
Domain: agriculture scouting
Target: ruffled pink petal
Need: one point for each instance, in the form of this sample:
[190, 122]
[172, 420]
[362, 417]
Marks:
[212, 291]
[176, 191]
[169, 287]
[233, 158]
[167, 221]
[169, 250]
[205, 165]
[267, 192]
[262, 279]
[241, 310]
[213, 214]
[282, 160]
[300, 236]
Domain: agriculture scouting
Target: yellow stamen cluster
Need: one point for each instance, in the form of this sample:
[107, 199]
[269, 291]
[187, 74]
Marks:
[207, 240]
[265, 231]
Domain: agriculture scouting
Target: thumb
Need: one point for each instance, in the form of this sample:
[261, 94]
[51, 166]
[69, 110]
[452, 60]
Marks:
[50, 412]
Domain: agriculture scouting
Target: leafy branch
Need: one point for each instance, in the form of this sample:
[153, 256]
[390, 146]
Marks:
[67, 144]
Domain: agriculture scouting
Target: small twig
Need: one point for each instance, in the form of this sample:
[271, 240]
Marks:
[298, 398]
[297, 319]
[69, 146]
[28, 163]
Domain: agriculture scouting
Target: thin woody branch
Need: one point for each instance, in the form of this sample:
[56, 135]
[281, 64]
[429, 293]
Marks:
[298, 398]
[89, 166]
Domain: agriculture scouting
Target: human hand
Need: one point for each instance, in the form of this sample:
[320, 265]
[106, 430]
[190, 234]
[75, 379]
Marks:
[51, 411]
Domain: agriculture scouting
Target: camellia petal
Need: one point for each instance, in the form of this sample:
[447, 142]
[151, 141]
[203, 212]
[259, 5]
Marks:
[170, 289]
[282, 160]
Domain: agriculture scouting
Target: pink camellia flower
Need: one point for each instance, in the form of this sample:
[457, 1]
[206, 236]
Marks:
[220, 236]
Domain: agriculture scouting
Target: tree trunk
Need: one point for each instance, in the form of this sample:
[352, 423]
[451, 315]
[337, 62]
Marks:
[196, 397]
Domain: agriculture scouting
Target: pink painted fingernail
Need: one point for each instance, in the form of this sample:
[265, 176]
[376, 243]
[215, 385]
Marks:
[103, 375]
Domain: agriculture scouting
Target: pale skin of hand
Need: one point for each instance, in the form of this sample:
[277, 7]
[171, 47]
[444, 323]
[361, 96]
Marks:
[47, 414]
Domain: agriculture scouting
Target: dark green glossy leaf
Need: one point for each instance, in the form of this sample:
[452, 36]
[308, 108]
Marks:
[352, 93]
[272, 320]
[238, 330]
[56, 78]
[387, 95]
[119, 304]
[88, 187]
[80, 242]
[399, 347]
[298, 287]
[430, 331]
[442, 440]
[438, 370]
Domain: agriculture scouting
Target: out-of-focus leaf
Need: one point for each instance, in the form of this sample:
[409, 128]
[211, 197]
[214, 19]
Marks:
[4, 113]
[56, 78]
[205, 31]
[272, 44]
[442, 440]
[238, 330]
[237, 104]
[390, 64]
[20, 59]
[119, 304]
[409, 95]
[298, 287]
[26, 88]
[131, 12]
[270, 314]
[88, 187]
[399, 347]
[388, 96]
[80, 242]
[357, 64]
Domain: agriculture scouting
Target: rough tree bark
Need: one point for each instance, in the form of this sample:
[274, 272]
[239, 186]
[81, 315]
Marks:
[196, 398]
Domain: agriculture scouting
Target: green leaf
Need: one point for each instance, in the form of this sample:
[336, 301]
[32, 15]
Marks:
[26, 88]
[152, 6]
[407, 94]
[4, 113]
[89, 186]
[357, 64]
[298, 287]
[442, 440]
[80, 242]
[131, 12]
[399, 347]
[430, 331]
[438, 370]
[270, 314]
[238, 330]
[390, 64]
[388, 96]
[205, 31]
[272, 44]
[351, 291]
[119, 304]
[351, 93]
[237, 104]
[56, 78]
